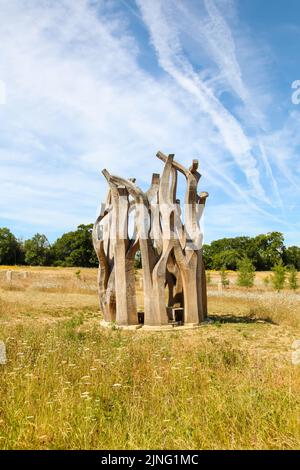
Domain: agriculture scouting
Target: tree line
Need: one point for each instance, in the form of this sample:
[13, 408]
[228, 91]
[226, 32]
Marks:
[264, 251]
[71, 249]
[75, 248]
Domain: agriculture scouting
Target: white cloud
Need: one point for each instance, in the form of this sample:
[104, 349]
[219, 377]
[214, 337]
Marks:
[78, 100]
[283, 145]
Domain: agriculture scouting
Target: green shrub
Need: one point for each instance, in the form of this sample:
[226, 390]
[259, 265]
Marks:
[293, 278]
[246, 273]
[224, 277]
[278, 276]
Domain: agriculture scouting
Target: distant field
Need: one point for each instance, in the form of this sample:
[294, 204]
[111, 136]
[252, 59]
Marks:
[69, 384]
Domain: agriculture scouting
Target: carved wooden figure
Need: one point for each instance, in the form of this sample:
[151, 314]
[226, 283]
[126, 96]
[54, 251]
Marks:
[174, 285]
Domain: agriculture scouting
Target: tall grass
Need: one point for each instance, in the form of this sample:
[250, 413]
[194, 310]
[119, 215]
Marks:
[68, 384]
[63, 388]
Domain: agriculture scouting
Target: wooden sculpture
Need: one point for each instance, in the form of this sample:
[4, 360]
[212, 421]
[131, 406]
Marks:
[173, 271]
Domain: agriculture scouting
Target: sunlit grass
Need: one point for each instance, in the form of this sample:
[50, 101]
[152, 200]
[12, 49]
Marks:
[68, 384]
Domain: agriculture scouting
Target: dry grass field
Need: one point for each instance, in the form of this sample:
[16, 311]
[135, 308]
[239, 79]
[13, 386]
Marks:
[68, 384]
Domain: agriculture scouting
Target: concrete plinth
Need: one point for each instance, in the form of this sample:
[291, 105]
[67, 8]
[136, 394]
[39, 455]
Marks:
[114, 326]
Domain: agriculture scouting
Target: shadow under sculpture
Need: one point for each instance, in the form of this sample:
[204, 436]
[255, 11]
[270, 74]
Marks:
[173, 273]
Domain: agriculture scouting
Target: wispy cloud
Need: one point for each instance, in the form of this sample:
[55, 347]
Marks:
[78, 98]
[165, 38]
[77, 101]
[283, 144]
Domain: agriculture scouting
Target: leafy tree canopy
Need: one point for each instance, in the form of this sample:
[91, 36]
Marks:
[8, 247]
[37, 250]
[227, 259]
[291, 256]
[75, 248]
[264, 251]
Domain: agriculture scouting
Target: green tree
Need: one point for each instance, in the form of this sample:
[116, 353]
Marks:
[75, 248]
[224, 277]
[227, 259]
[246, 273]
[226, 251]
[207, 256]
[292, 256]
[264, 251]
[268, 250]
[278, 276]
[20, 252]
[37, 250]
[293, 278]
[9, 247]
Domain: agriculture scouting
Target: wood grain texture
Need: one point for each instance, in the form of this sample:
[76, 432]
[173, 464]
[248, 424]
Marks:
[173, 271]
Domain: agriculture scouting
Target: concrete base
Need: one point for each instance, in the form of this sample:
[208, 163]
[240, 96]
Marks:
[186, 326]
[114, 326]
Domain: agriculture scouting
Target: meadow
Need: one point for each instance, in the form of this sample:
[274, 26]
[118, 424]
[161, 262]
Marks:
[68, 384]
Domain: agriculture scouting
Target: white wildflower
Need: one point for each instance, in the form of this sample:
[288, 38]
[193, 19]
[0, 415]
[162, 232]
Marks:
[2, 353]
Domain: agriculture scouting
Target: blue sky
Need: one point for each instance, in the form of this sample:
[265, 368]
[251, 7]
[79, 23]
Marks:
[105, 84]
